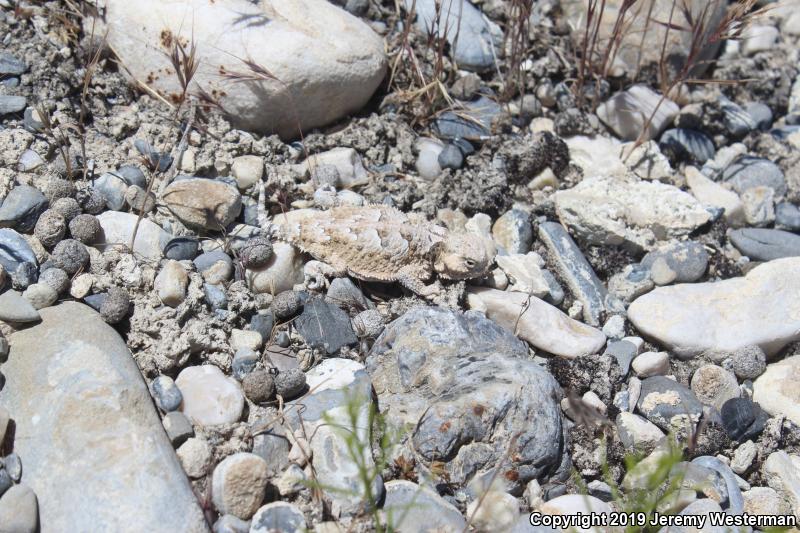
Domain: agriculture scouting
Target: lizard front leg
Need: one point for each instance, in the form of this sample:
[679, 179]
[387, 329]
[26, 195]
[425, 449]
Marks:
[412, 282]
[317, 273]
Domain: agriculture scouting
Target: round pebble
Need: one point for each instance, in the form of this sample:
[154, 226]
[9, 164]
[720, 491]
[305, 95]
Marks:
[167, 395]
[181, 248]
[749, 362]
[259, 386]
[40, 295]
[13, 466]
[85, 228]
[239, 483]
[244, 362]
[139, 199]
[290, 383]
[713, 385]
[91, 201]
[451, 157]
[256, 252]
[210, 397]
[67, 208]
[286, 304]
[282, 339]
[70, 255]
[195, 457]
[368, 323]
[55, 278]
[59, 188]
[115, 306]
[50, 228]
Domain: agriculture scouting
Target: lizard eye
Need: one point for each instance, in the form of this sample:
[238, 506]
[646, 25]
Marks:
[469, 262]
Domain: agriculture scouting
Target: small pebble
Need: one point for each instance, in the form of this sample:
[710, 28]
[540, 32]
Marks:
[651, 364]
[40, 295]
[749, 362]
[70, 255]
[67, 208]
[50, 228]
[244, 362]
[85, 228]
[178, 427]
[58, 188]
[91, 201]
[451, 157]
[81, 286]
[5, 481]
[56, 278]
[13, 466]
[215, 296]
[167, 395]
[286, 304]
[290, 383]
[282, 339]
[256, 252]
[115, 306]
[181, 248]
[195, 457]
[259, 386]
[139, 199]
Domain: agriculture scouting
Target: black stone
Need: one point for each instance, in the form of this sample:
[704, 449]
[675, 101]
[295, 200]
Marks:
[324, 326]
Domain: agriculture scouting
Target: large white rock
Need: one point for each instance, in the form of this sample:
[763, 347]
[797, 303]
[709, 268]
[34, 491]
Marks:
[91, 443]
[776, 389]
[760, 308]
[638, 214]
[326, 63]
[541, 324]
[118, 229]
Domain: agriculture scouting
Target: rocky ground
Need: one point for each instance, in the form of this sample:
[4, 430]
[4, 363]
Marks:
[624, 337]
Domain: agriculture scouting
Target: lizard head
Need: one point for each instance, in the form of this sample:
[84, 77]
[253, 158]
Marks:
[464, 256]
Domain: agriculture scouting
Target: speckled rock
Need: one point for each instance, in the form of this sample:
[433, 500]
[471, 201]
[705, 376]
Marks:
[239, 484]
[203, 203]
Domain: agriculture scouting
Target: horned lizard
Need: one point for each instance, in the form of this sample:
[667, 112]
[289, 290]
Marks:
[381, 243]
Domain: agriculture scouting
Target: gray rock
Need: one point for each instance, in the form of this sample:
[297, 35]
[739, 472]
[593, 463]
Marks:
[474, 123]
[19, 511]
[14, 251]
[231, 524]
[451, 157]
[167, 395]
[628, 112]
[22, 207]
[178, 427]
[325, 326]
[345, 294]
[686, 144]
[455, 378]
[273, 447]
[16, 309]
[748, 362]
[12, 104]
[216, 266]
[760, 114]
[576, 271]
[12, 65]
[736, 120]
[278, 517]
[91, 390]
[258, 386]
[50, 228]
[114, 307]
[624, 352]
[181, 248]
[263, 323]
[748, 172]
[338, 388]
[632, 282]
[112, 187]
[5, 481]
[667, 403]
[687, 259]
[762, 244]
[132, 175]
[513, 232]
[735, 504]
[13, 466]
[475, 40]
[70, 255]
[290, 383]
[215, 296]
[411, 508]
[787, 216]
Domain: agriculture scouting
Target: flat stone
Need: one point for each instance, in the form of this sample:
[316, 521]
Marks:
[80, 387]
[776, 389]
[19, 510]
[118, 230]
[453, 377]
[12, 104]
[474, 38]
[209, 397]
[637, 214]
[542, 325]
[178, 427]
[22, 207]
[17, 309]
[623, 351]
[278, 517]
[473, 123]
[760, 308]
[667, 404]
[328, 62]
[239, 484]
[411, 508]
[687, 145]
[735, 503]
[748, 171]
[576, 271]
[525, 273]
[14, 251]
[712, 194]
[688, 260]
[204, 203]
[787, 216]
[762, 244]
[325, 326]
[627, 112]
[11, 65]
[513, 232]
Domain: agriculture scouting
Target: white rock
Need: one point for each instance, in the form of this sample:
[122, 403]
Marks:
[764, 501]
[651, 364]
[743, 457]
[327, 62]
[627, 112]
[760, 308]
[759, 39]
[248, 170]
[614, 328]
[292, 481]
[239, 484]
[525, 273]
[195, 457]
[493, 511]
[647, 161]
[118, 230]
[245, 338]
[209, 397]
[637, 433]
[428, 151]
[346, 160]
[713, 385]
[713, 194]
[776, 389]
[81, 286]
[782, 474]
[541, 324]
[759, 206]
[593, 153]
[171, 283]
[282, 272]
[591, 399]
[638, 214]
[575, 503]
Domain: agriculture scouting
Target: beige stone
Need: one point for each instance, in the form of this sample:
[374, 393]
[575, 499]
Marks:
[204, 203]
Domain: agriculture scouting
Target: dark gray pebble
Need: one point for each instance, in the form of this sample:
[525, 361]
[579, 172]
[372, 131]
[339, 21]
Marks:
[290, 383]
[166, 393]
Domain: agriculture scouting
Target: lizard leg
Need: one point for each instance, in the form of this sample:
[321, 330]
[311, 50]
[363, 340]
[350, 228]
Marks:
[416, 285]
[317, 273]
